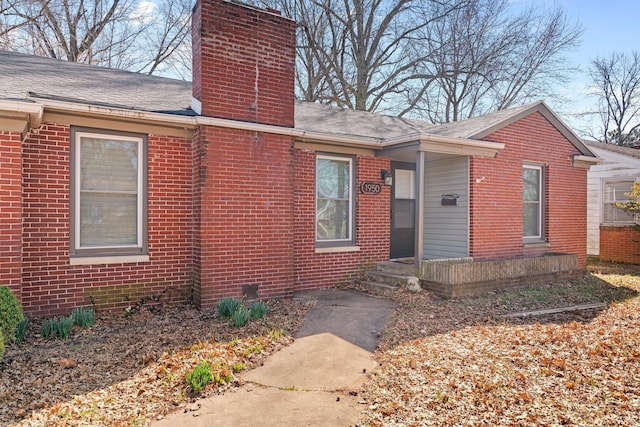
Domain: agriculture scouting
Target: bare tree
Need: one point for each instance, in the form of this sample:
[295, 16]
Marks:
[488, 58]
[617, 85]
[358, 54]
[10, 21]
[128, 34]
[167, 34]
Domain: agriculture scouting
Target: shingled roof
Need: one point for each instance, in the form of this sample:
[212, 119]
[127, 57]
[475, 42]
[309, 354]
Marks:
[628, 151]
[29, 78]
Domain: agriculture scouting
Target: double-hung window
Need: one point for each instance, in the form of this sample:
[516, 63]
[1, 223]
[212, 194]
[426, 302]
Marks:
[614, 191]
[108, 194]
[533, 203]
[334, 200]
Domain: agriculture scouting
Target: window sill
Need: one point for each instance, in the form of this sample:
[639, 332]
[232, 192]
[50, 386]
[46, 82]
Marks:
[539, 244]
[336, 249]
[120, 259]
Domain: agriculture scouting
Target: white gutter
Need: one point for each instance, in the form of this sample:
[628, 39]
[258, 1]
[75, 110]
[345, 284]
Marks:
[433, 142]
[30, 112]
[191, 122]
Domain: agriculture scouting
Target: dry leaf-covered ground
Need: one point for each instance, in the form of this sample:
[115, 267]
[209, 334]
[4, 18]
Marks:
[128, 370]
[443, 362]
[456, 363]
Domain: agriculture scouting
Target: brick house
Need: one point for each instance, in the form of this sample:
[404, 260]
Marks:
[117, 186]
[612, 234]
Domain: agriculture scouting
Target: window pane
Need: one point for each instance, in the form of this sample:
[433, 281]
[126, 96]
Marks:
[333, 179]
[404, 214]
[615, 214]
[531, 185]
[531, 219]
[405, 184]
[108, 219]
[108, 165]
[333, 199]
[614, 192]
[332, 220]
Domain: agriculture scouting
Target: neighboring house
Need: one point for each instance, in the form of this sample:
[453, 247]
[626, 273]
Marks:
[610, 231]
[117, 186]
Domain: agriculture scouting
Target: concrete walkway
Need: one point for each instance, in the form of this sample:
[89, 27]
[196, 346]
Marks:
[308, 382]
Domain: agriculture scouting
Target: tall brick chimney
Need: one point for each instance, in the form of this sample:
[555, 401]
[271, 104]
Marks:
[243, 63]
[243, 69]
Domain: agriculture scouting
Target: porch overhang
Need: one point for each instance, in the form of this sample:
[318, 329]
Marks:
[430, 143]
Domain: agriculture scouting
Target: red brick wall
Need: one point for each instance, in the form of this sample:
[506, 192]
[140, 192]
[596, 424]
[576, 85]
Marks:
[10, 210]
[496, 203]
[243, 63]
[316, 270]
[620, 244]
[246, 211]
[49, 284]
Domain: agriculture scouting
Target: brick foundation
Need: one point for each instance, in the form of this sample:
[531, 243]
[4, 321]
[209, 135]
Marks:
[620, 244]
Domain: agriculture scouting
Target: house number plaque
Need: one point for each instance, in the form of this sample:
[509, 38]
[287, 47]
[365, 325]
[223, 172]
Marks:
[370, 188]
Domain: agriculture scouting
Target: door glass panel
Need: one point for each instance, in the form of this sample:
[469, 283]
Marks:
[404, 214]
[405, 184]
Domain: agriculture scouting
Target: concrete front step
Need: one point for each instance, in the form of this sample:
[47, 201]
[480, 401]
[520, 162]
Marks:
[386, 278]
[399, 268]
[379, 288]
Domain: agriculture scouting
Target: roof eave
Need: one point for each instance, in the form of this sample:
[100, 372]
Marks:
[543, 109]
[20, 116]
[580, 161]
[447, 145]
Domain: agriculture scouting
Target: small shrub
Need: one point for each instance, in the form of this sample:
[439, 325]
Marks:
[199, 377]
[21, 330]
[10, 313]
[1, 345]
[83, 316]
[240, 316]
[227, 306]
[222, 379]
[57, 327]
[238, 367]
[258, 310]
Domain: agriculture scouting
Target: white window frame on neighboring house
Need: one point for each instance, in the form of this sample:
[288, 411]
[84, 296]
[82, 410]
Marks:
[327, 200]
[613, 190]
[108, 215]
[536, 204]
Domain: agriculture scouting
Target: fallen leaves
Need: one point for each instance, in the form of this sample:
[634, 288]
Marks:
[469, 371]
[131, 370]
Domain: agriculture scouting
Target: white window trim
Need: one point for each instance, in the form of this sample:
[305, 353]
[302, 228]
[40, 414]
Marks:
[541, 193]
[350, 240]
[109, 253]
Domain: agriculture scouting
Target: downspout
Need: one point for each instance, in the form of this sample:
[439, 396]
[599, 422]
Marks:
[419, 237]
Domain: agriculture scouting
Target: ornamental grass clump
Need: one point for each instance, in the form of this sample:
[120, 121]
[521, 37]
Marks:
[21, 330]
[258, 310]
[10, 313]
[57, 327]
[83, 316]
[227, 306]
[240, 316]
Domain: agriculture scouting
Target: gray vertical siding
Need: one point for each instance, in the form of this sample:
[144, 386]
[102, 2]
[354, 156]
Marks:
[446, 228]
